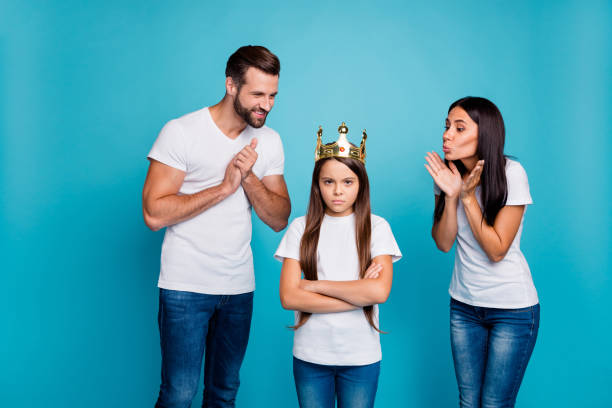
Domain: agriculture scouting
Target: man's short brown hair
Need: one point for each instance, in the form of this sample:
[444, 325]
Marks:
[251, 56]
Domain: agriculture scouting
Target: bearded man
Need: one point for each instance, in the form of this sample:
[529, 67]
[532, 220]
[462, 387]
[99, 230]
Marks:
[207, 170]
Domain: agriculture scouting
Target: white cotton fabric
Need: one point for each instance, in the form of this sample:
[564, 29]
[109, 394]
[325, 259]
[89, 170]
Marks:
[478, 281]
[343, 338]
[211, 252]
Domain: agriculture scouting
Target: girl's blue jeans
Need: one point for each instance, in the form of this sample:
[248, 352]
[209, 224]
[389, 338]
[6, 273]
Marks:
[319, 385]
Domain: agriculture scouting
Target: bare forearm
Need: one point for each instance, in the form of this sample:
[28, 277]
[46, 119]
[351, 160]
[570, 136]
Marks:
[272, 208]
[362, 292]
[305, 301]
[487, 237]
[444, 232]
[174, 208]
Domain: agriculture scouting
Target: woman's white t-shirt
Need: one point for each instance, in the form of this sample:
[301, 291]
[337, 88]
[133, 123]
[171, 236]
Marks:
[343, 338]
[478, 281]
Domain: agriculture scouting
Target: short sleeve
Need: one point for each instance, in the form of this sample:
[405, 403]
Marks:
[518, 185]
[383, 242]
[437, 190]
[289, 246]
[169, 148]
[276, 161]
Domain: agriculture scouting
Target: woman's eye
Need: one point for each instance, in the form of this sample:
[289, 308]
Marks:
[446, 127]
[327, 182]
[460, 129]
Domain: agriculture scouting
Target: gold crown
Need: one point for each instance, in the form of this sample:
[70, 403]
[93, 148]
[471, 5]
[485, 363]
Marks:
[342, 147]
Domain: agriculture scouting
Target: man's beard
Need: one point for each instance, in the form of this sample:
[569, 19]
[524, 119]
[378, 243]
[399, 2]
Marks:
[245, 114]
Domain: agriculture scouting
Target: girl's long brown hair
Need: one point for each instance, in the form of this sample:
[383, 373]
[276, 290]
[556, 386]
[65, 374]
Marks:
[314, 218]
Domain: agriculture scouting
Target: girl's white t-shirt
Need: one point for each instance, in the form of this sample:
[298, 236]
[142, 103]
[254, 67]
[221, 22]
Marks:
[478, 281]
[343, 338]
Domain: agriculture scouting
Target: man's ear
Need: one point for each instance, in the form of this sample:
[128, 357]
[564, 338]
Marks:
[230, 86]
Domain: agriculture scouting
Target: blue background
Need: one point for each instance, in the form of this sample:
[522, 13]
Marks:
[86, 86]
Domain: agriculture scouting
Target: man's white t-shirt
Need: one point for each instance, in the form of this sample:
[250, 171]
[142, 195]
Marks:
[211, 252]
[343, 338]
[478, 281]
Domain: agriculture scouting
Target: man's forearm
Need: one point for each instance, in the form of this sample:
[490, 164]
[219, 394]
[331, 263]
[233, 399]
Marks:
[174, 208]
[272, 208]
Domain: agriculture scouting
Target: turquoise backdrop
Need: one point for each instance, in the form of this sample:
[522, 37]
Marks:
[86, 86]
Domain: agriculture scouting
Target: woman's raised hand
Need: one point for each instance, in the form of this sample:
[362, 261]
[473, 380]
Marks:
[469, 185]
[448, 179]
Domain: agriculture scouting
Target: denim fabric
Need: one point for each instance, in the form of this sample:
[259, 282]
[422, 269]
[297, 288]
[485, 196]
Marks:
[491, 349]
[193, 325]
[318, 385]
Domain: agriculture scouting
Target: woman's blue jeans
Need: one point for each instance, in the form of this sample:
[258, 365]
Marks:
[491, 349]
[193, 326]
[318, 385]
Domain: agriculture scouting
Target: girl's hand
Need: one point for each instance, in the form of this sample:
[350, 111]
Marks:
[473, 179]
[373, 271]
[448, 179]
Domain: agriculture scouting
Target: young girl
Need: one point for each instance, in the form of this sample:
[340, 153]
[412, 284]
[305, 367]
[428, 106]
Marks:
[480, 204]
[346, 255]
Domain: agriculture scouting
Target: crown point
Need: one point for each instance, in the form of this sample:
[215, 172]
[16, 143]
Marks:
[343, 129]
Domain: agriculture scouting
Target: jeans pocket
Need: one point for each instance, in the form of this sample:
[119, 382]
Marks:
[172, 303]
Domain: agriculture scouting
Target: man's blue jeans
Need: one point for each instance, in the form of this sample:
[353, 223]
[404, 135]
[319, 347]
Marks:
[191, 324]
[318, 385]
[491, 349]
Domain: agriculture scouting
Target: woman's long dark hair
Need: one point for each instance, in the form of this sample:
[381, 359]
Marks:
[491, 139]
[314, 218]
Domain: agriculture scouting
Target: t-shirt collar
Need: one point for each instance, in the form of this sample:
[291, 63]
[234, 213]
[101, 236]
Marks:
[343, 219]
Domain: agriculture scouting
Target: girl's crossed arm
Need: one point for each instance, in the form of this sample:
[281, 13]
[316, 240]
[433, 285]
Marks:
[294, 297]
[373, 289]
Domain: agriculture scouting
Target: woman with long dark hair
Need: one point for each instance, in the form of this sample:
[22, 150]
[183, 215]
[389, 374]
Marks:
[480, 201]
[345, 254]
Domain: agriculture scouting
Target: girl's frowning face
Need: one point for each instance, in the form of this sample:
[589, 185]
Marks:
[339, 187]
